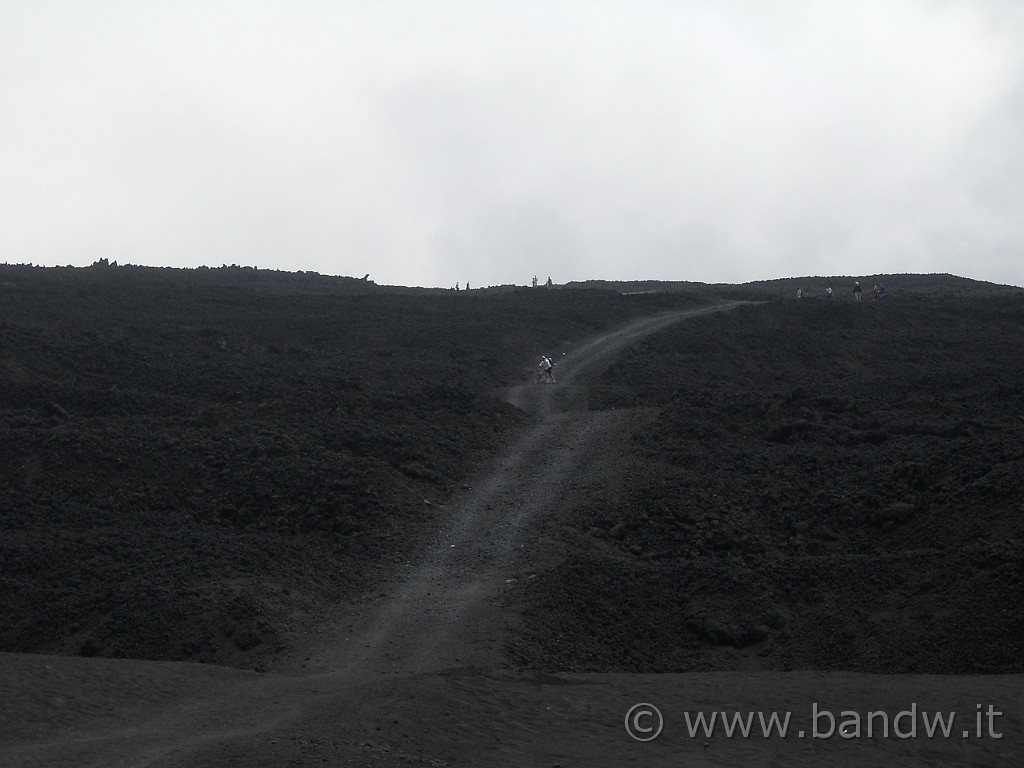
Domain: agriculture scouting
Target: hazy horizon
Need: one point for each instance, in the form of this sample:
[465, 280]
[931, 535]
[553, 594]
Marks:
[448, 141]
[841, 283]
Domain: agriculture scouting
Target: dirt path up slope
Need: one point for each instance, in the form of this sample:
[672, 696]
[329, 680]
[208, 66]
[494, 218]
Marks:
[441, 613]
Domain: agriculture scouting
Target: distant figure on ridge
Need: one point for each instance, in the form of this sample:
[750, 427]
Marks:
[856, 291]
[799, 293]
[828, 292]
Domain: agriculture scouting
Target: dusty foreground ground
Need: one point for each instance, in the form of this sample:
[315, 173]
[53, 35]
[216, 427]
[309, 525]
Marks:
[106, 712]
[397, 551]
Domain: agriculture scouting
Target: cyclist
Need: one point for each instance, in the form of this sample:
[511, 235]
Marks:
[546, 368]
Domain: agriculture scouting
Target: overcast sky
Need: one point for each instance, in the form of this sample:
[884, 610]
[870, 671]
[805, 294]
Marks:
[432, 142]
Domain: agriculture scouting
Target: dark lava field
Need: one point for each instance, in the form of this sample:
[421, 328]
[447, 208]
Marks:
[202, 464]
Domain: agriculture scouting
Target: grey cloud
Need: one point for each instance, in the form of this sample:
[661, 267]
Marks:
[450, 141]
